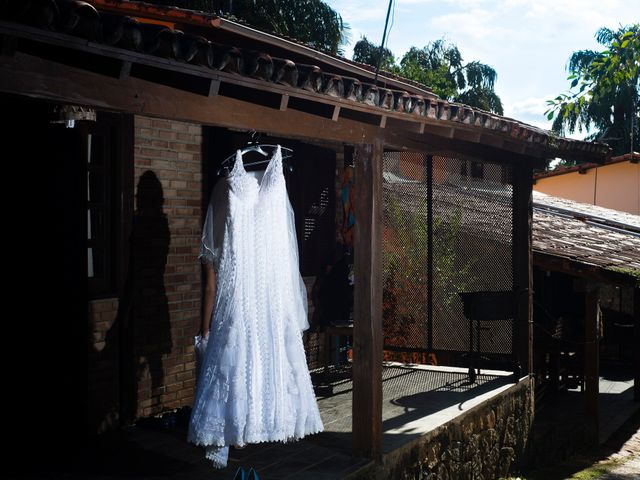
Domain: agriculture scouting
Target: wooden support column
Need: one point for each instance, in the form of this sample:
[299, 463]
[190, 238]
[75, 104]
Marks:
[636, 336]
[367, 325]
[592, 354]
[522, 266]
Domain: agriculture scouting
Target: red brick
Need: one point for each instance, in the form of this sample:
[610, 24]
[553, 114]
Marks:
[185, 393]
[165, 397]
[190, 383]
[141, 121]
[175, 387]
[180, 126]
[163, 124]
[167, 154]
[160, 143]
[144, 132]
[173, 152]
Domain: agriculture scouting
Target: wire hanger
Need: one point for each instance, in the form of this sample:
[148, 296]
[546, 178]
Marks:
[256, 146]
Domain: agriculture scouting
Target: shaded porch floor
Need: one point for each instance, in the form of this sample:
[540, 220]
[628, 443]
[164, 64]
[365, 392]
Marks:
[416, 399]
[616, 403]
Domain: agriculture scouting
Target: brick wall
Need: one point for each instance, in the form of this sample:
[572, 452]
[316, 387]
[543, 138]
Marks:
[167, 275]
[166, 279]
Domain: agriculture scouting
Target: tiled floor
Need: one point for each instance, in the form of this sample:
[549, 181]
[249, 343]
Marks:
[416, 400]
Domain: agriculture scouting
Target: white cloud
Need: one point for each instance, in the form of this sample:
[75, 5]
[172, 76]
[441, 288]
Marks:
[360, 11]
[527, 42]
[530, 110]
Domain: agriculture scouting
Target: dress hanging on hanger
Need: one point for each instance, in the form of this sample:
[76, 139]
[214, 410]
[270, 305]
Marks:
[256, 147]
[253, 383]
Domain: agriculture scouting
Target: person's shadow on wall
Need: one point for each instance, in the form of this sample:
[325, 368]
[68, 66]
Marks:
[149, 251]
[140, 335]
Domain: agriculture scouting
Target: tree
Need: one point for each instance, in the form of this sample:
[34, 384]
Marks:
[405, 273]
[312, 22]
[608, 91]
[440, 66]
[366, 52]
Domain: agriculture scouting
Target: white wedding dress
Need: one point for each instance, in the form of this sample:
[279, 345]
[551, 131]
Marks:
[252, 382]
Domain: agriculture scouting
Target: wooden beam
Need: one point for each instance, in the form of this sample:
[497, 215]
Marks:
[472, 136]
[284, 101]
[367, 333]
[214, 88]
[336, 113]
[125, 70]
[476, 150]
[546, 261]
[522, 266]
[38, 78]
[636, 336]
[142, 60]
[592, 355]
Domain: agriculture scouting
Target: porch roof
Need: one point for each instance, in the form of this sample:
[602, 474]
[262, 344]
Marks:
[267, 62]
[586, 240]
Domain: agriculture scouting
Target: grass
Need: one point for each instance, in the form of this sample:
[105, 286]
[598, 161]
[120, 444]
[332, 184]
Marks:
[597, 470]
[577, 468]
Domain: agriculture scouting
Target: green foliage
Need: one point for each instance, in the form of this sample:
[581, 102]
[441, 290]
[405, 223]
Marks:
[366, 52]
[405, 268]
[440, 66]
[607, 91]
[312, 22]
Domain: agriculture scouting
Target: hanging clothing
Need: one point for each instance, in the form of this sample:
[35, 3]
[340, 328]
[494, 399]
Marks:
[253, 384]
[347, 199]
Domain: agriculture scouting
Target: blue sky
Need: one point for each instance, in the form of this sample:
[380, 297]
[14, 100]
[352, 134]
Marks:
[528, 42]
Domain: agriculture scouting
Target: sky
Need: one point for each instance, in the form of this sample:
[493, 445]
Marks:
[528, 42]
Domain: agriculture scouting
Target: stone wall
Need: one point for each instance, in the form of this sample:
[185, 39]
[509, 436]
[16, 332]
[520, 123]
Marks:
[490, 441]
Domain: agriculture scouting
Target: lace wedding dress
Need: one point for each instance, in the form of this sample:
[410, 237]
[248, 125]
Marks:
[252, 383]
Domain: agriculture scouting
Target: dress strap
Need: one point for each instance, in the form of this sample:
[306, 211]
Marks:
[278, 155]
[238, 162]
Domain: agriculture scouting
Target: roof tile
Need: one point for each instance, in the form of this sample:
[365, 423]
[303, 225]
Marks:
[84, 20]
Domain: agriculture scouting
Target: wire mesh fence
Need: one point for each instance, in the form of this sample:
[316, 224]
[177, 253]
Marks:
[448, 229]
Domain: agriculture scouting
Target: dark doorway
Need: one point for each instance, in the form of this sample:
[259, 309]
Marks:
[46, 167]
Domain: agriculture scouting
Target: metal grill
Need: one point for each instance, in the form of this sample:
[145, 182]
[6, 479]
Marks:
[448, 229]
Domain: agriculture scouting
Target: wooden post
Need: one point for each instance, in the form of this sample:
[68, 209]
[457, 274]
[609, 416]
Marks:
[592, 354]
[636, 336]
[522, 265]
[367, 325]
